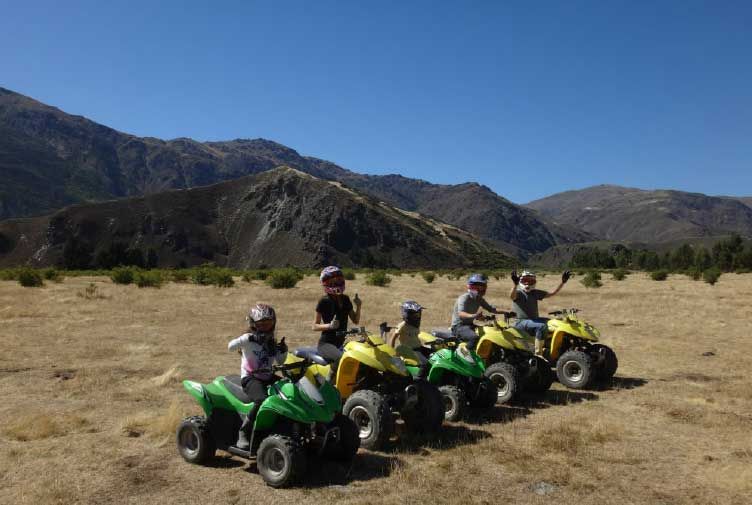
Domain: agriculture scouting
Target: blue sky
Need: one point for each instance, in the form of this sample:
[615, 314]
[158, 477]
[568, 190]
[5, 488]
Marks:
[529, 98]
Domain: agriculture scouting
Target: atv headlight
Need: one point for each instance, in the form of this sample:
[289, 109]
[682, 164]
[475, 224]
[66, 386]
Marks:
[399, 364]
[464, 353]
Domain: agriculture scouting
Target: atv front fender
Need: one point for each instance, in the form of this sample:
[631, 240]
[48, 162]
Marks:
[197, 391]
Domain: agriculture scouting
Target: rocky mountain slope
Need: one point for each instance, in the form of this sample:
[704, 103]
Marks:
[277, 218]
[49, 159]
[626, 214]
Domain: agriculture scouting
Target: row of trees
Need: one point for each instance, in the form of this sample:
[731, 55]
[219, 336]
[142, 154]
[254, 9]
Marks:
[727, 255]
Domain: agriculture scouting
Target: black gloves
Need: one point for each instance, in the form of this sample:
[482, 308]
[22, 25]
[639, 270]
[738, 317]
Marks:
[281, 346]
[515, 277]
[565, 276]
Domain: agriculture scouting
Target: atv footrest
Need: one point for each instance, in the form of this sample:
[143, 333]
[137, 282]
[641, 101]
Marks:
[239, 452]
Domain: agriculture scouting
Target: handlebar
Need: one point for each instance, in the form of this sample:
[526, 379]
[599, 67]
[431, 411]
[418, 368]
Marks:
[563, 311]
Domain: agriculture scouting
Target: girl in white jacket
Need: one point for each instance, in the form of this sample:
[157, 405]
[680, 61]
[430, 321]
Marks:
[259, 350]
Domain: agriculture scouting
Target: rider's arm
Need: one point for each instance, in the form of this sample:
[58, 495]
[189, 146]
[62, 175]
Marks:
[393, 338]
[513, 293]
[355, 314]
[237, 342]
[318, 325]
[552, 293]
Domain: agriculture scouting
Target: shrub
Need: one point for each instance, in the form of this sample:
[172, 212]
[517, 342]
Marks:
[30, 278]
[149, 279]
[10, 274]
[695, 274]
[53, 275]
[619, 274]
[90, 292]
[659, 275]
[592, 280]
[349, 275]
[223, 278]
[711, 275]
[255, 275]
[428, 276]
[122, 275]
[202, 276]
[179, 275]
[283, 279]
[378, 278]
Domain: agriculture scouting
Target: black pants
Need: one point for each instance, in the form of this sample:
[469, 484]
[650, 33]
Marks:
[256, 391]
[332, 354]
[468, 334]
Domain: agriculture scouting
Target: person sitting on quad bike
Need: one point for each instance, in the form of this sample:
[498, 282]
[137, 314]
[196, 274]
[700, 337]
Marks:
[525, 303]
[332, 312]
[259, 349]
[407, 332]
[469, 307]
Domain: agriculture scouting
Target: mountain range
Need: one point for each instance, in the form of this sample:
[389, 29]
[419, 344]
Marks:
[50, 160]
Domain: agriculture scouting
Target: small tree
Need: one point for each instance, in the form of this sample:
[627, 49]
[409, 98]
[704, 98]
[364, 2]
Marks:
[428, 276]
[122, 275]
[619, 274]
[659, 275]
[592, 280]
[283, 279]
[149, 279]
[378, 278]
[711, 275]
[30, 278]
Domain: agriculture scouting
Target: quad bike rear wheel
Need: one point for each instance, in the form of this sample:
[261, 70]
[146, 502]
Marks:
[608, 366]
[506, 378]
[281, 461]
[372, 417]
[455, 403]
[541, 379]
[486, 394]
[347, 446]
[427, 415]
[194, 441]
[575, 369]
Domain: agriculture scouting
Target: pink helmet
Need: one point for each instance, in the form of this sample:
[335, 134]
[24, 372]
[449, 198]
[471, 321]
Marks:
[333, 280]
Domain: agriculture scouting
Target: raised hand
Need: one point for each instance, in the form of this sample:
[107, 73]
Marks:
[357, 301]
[565, 276]
[282, 346]
[515, 277]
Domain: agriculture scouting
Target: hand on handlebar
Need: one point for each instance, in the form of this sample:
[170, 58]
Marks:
[334, 324]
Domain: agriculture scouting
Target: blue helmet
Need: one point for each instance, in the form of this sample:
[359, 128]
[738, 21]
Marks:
[411, 313]
[477, 279]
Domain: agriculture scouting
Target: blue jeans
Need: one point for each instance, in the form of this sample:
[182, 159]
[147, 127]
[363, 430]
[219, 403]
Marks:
[468, 334]
[539, 326]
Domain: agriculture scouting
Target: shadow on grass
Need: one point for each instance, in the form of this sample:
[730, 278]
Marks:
[226, 461]
[364, 467]
[625, 383]
[449, 436]
[554, 397]
[497, 414]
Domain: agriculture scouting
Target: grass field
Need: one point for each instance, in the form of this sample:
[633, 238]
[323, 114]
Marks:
[92, 395]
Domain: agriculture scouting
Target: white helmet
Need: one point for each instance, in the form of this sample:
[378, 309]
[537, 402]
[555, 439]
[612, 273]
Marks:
[527, 281]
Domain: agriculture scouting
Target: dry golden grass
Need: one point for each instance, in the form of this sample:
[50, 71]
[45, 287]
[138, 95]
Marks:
[92, 396]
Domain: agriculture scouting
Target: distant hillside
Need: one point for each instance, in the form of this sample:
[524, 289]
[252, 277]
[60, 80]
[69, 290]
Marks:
[281, 217]
[625, 214]
[49, 159]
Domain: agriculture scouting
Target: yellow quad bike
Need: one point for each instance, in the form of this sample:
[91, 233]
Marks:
[376, 387]
[510, 360]
[571, 346]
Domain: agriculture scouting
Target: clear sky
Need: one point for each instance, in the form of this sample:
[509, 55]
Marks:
[529, 98]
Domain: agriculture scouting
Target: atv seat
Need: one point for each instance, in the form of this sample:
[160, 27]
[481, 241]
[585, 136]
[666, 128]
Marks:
[442, 333]
[232, 383]
[310, 354]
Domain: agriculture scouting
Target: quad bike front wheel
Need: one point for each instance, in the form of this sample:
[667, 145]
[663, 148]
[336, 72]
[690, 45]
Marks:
[281, 461]
[372, 417]
[506, 378]
[575, 369]
[194, 441]
[455, 402]
[347, 446]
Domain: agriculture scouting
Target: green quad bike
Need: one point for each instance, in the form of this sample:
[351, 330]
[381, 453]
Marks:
[572, 347]
[456, 370]
[298, 417]
[511, 364]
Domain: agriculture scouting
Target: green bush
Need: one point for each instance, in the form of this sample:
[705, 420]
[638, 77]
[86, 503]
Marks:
[30, 278]
[711, 275]
[223, 278]
[378, 278]
[148, 279]
[695, 274]
[203, 276]
[255, 275]
[283, 279]
[428, 276]
[659, 275]
[619, 274]
[9, 274]
[349, 275]
[53, 275]
[122, 275]
[592, 280]
[179, 275]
